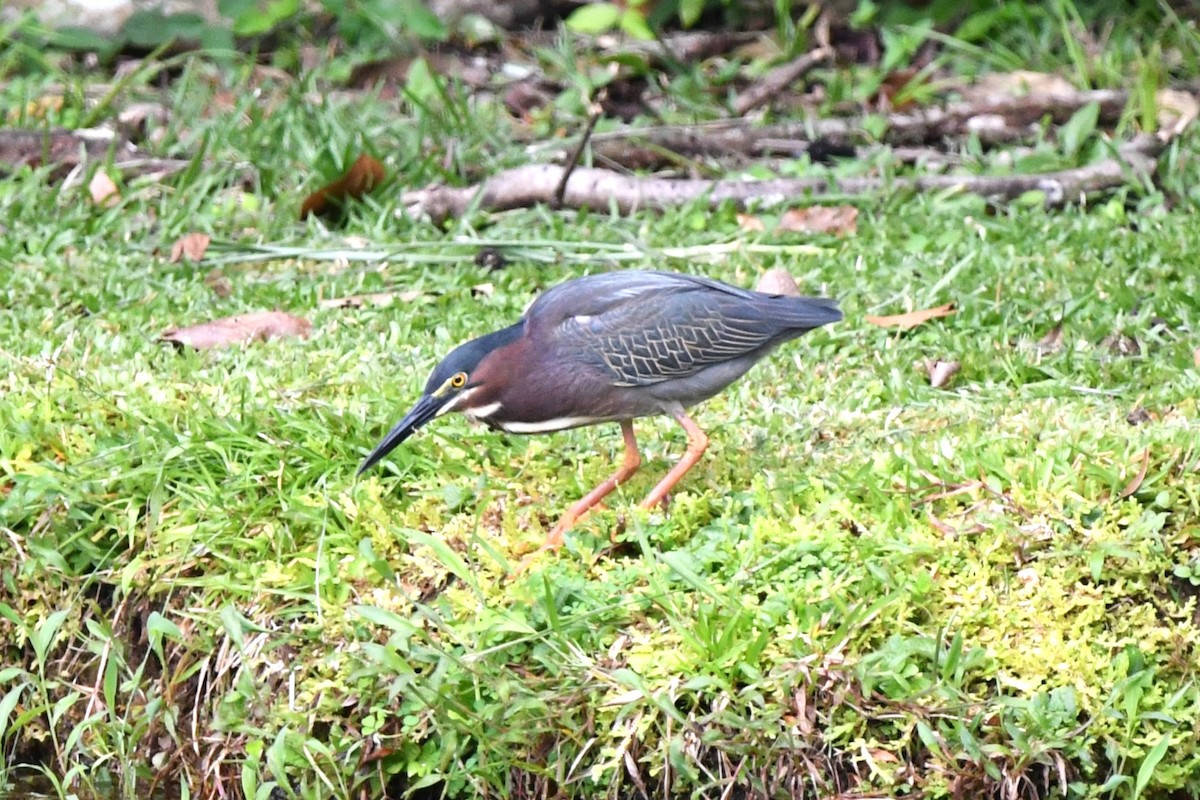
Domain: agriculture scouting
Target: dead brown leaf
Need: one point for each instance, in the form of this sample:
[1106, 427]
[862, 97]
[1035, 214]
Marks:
[490, 259]
[941, 372]
[778, 281]
[624, 97]
[1120, 344]
[239, 329]
[895, 82]
[376, 299]
[1136, 481]
[136, 119]
[838, 220]
[1139, 415]
[102, 189]
[939, 526]
[853, 45]
[219, 283]
[911, 319]
[191, 246]
[750, 223]
[360, 180]
[1052, 342]
[525, 98]
[221, 101]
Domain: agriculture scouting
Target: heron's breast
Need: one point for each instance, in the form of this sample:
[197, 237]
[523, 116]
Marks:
[525, 389]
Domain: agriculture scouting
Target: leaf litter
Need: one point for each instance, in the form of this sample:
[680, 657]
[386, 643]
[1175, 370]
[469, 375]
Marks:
[103, 190]
[1052, 342]
[777, 281]
[1136, 481]
[373, 299]
[911, 319]
[941, 372]
[190, 247]
[834, 220]
[240, 329]
[362, 178]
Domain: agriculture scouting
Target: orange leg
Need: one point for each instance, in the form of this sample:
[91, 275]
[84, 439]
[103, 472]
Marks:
[630, 465]
[697, 443]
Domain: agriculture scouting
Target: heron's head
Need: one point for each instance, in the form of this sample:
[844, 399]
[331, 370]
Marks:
[454, 385]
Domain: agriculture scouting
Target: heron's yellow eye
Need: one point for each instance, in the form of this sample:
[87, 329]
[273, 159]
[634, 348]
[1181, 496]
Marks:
[459, 380]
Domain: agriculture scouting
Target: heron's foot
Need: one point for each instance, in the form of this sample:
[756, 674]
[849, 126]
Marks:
[551, 545]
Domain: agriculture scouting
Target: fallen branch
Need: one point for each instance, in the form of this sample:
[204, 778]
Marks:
[688, 47]
[60, 148]
[999, 120]
[600, 188]
[995, 120]
[68, 152]
[779, 79]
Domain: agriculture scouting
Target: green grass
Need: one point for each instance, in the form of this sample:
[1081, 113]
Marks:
[867, 584]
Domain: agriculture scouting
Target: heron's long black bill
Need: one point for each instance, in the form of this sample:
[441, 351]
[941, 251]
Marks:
[425, 410]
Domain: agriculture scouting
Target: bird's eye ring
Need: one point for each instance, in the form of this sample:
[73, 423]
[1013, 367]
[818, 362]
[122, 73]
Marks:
[459, 380]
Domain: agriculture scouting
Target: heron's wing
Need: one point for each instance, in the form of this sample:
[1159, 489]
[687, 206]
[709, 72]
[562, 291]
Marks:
[592, 295]
[645, 328]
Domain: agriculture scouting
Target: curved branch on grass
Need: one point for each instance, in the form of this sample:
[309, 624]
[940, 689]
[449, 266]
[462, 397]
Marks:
[600, 188]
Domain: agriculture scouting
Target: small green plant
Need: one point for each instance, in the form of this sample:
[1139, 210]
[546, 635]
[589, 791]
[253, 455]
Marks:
[1189, 572]
[601, 17]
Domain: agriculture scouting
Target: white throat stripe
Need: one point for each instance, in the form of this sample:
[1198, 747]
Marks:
[483, 412]
[455, 402]
[561, 423]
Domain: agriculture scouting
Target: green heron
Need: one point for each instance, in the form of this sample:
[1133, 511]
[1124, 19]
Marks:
[611, 348]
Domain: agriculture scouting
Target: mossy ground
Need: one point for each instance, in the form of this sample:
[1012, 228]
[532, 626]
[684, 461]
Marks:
[867, 585]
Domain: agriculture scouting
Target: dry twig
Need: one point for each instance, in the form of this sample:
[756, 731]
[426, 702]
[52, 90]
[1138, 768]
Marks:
[993, 120]
[779, 79]
[599, 188]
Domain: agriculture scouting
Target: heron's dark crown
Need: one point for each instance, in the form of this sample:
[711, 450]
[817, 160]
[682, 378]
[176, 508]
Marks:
[466, 357]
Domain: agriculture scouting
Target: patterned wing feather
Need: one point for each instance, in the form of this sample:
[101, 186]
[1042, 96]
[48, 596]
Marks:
[673, 332]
